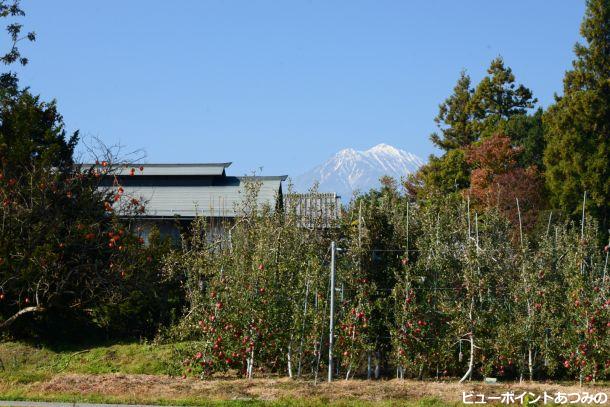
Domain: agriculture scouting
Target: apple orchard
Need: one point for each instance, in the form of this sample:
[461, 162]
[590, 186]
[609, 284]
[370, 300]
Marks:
[441, 289]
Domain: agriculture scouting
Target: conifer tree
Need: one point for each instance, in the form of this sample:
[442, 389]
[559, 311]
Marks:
[577, 126]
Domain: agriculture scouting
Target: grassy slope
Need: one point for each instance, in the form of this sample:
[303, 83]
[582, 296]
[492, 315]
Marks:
[20, 363]
[29, 373]
[138, 373]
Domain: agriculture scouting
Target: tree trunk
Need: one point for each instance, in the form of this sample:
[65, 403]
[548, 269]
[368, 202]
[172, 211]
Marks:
[377, 367]
[289, 357]
[530, 364]
[251, 364]
[468, 374]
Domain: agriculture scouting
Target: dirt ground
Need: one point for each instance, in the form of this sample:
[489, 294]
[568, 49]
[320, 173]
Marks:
[164, 387]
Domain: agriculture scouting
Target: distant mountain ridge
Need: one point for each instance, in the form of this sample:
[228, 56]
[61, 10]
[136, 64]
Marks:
[351, 170]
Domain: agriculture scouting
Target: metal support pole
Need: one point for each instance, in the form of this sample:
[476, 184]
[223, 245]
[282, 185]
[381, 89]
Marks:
[332, 312]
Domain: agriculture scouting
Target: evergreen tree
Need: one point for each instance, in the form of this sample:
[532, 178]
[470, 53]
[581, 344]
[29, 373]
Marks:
[577, 126]
[497, 99]
[447, 174]
[471, 113]
[496, 105]
[526, 132]
[454, 118]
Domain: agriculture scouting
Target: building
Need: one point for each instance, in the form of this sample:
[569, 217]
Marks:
[314, 209]
[174, 194]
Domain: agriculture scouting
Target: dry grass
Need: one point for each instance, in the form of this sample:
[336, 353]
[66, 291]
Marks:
[149, 388]
[137, 373]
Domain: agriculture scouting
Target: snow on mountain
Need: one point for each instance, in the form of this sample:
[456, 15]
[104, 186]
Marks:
[350, 170]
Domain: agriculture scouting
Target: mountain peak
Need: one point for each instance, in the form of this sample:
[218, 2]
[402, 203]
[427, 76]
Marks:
[383, 148]
[350, 170]
[347, 152]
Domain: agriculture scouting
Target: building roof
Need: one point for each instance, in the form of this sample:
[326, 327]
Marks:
[166, 169]
[190, 190]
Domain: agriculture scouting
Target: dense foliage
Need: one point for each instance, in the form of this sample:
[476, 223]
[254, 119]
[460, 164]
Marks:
[63, 249]
[431, 289]
[486, 262]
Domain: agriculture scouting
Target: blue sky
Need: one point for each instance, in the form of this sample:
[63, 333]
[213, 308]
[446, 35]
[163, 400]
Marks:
[281, 84]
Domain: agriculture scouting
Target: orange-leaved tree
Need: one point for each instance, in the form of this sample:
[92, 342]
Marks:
[497, 181]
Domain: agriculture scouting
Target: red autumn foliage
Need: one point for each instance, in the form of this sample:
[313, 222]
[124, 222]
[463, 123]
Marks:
[497, 181]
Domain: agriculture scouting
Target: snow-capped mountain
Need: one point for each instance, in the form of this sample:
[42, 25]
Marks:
[350, 170]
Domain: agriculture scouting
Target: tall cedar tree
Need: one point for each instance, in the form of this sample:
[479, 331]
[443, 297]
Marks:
[577, 126]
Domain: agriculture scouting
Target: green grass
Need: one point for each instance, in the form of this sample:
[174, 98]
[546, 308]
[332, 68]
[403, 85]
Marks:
[22, 363]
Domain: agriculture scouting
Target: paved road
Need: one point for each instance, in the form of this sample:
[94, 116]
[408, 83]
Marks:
[7, 403]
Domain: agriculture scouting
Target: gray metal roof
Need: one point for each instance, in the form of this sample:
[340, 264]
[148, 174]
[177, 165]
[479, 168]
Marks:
[166, 169]
[222, 199]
